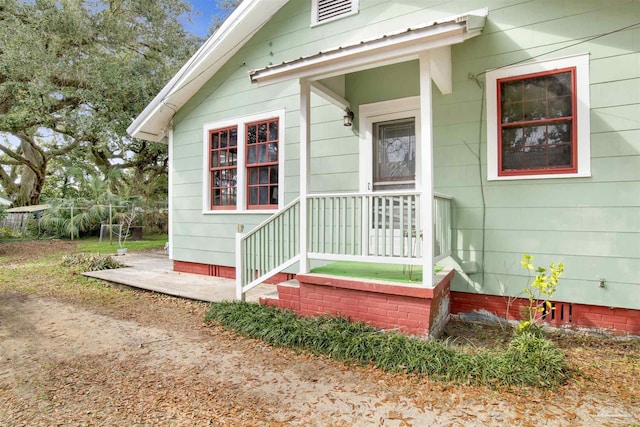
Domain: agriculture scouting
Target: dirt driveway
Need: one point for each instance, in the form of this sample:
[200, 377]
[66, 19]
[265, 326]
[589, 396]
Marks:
[135, 358]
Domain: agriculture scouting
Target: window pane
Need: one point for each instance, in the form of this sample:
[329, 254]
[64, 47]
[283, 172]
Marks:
[233, 137]
[511, 91]
[253, 176]
[262, 153]
[251, 134]
[534, 88]
[512, 137]
[511, 112]
[216, 197]
[559, 84]
[262, 132]
[535, 110]
[264, 195]
[264, 175]
[559, 132]
[214, 141]
[273, 174]
[233, 156]
[253, 195]
[512, 160]
[273, 152]
[251, 155]
[535, 135]
[560, 155]
[560, 107]
[223, 139]
[273, 131]
[214, 159]
[274, 195]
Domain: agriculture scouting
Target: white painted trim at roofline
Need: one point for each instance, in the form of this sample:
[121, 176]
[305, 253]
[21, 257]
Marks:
[236, 30]
[170, 193]
[384, 50]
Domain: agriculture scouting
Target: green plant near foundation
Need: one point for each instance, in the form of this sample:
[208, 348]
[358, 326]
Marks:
[527, 361]
[539, 292]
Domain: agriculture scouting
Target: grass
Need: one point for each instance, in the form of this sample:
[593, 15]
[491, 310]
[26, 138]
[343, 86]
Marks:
[527, 361]
[366, 270]
[92, 245]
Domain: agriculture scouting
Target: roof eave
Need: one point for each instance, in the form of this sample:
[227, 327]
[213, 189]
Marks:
[238, 28]
[383, 50]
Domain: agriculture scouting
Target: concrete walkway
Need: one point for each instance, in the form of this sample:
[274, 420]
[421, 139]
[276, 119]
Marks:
[153, 271]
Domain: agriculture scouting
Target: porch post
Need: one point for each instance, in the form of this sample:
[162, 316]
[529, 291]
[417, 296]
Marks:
[426, 169]
[305, 139]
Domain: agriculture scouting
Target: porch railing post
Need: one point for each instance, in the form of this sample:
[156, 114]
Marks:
[426, 169]
[240, 263]
[305, 138]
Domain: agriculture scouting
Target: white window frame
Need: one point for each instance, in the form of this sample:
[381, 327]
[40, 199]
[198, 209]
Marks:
[355, 8]
[582, 114]
[368, 114]
[241, 185]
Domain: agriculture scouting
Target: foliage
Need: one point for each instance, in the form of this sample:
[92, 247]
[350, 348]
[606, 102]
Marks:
[8, 233]
[539, 292]
[126, 220]
[91, 262]
[72, 75]
[541, 365]
[533, 360]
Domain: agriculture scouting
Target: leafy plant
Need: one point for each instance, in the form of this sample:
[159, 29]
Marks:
[539, 292]
[527, 362]
[91, 262]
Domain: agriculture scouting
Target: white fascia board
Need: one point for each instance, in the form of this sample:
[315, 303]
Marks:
[384, 50]
[236, 30]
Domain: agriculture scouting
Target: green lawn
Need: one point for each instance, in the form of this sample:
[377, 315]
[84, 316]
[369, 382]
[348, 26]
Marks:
[366, 270]
[152, 241]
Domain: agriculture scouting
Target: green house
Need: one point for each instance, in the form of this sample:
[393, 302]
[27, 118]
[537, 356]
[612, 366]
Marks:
[401, 135]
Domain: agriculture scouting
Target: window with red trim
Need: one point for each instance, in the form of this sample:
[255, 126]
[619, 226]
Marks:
[262, 164]
[223, 169]
[537, 123]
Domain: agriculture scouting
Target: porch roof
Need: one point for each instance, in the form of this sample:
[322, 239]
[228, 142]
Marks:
[382, 50]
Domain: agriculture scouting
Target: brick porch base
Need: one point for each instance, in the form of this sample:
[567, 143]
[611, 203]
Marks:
[413, 309]
[410, 309]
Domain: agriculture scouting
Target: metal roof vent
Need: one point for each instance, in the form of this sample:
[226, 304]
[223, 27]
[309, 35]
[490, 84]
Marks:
[328, 10]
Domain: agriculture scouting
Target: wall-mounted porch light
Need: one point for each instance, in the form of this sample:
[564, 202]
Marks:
[348, 117]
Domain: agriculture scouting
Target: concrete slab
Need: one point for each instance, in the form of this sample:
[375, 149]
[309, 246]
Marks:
[153, 271]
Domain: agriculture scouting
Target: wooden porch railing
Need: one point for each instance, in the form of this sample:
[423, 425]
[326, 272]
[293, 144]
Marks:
[370, 227]
[268, 249]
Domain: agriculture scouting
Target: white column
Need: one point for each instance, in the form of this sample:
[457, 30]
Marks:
[426, 169]
[305, 140]
[170, 194]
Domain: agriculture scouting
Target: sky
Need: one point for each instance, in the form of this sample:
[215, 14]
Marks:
[207, 10]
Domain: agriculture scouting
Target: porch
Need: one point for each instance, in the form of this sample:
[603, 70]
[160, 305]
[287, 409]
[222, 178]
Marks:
[381, 234]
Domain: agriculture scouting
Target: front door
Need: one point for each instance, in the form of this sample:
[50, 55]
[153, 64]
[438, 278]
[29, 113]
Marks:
[394, 154]
[389, 161]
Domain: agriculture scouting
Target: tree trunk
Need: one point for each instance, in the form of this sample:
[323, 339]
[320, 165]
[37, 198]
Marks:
[31, 181]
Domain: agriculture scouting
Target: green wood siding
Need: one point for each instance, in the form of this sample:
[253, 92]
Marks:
[592, 224]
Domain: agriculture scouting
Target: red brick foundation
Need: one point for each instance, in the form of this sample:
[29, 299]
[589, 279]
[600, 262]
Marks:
[221, 271]
[409, 309]
[615, 320]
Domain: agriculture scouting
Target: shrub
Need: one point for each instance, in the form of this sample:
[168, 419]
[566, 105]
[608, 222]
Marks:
[91, 262]
[539, 292]
[533, 360]
[528, 361]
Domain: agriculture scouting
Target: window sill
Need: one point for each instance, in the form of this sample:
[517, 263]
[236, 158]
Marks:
[540, 176]
[242, 212]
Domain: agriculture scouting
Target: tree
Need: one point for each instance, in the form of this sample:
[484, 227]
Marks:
[73, 74]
